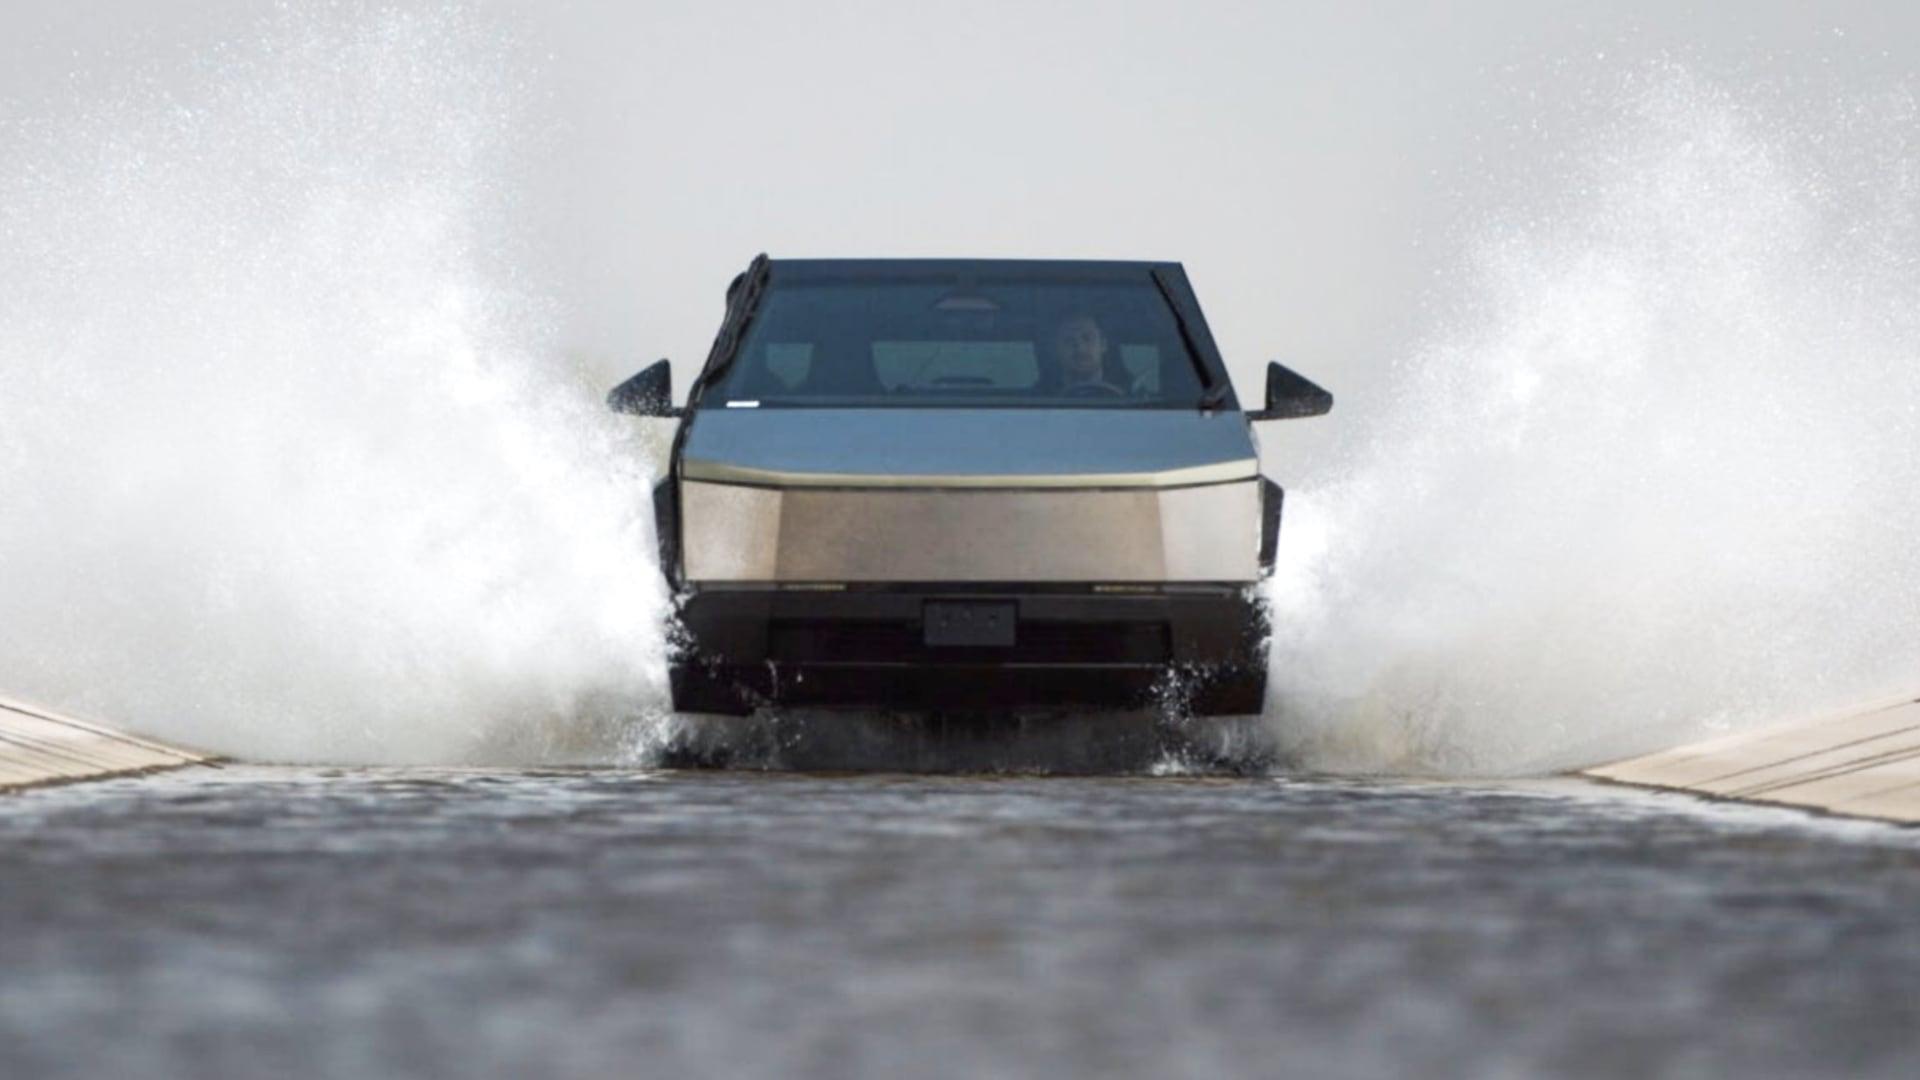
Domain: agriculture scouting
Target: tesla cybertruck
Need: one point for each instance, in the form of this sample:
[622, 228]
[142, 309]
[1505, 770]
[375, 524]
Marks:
[965, 485]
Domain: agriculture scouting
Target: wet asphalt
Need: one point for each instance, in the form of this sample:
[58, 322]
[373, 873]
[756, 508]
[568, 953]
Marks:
[415, 922]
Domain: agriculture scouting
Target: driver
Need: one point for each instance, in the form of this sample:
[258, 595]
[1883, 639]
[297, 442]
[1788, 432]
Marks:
[1080, 357]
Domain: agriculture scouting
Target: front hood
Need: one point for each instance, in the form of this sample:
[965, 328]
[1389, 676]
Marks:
[967, 447]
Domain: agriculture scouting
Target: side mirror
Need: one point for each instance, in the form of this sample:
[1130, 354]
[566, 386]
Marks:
[649, 393]
[1291, 395]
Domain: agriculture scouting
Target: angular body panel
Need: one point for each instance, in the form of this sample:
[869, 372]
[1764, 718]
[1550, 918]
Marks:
[734, 533]
[1052, 448]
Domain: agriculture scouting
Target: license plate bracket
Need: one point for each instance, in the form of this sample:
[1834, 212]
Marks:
[970, 623]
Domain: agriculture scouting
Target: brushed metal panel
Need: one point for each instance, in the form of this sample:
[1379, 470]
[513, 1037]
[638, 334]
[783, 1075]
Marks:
[1206, 533]
[959, 535]
[729, 533]
[1211, 533]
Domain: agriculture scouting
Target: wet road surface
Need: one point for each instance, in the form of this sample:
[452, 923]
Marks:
[329, 923]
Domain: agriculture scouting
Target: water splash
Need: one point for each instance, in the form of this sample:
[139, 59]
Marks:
[1653, 477]
[289, 475]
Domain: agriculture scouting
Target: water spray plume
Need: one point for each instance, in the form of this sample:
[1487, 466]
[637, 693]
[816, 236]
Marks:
[290, 472]
[1654, 476]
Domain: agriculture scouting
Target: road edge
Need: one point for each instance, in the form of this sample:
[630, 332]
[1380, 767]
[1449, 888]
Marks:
[39, 747]
[1859, 762]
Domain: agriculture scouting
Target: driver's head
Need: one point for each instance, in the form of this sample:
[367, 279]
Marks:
[1079, 348]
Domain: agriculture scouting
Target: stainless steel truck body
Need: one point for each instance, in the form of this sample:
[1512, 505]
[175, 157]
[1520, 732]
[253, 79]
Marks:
[959, 485]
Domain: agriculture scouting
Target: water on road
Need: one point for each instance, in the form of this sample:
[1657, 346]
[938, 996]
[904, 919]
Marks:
[307, 922]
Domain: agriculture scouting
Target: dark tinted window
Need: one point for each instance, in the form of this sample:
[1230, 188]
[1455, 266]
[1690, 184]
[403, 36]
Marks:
[974, 343]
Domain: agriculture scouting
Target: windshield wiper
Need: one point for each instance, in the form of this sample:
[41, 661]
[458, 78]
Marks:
[1217, 389]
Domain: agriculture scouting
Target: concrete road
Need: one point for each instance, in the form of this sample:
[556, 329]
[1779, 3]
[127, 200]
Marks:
[313, 923]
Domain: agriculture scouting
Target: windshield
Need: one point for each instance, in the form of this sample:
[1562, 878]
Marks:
[975, 343]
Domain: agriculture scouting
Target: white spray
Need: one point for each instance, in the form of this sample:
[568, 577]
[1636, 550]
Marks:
[1656, 477]
[289, 471]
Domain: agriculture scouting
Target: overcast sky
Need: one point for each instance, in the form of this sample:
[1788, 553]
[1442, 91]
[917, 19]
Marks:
[1316, 167]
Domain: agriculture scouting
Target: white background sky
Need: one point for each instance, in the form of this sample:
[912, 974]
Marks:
[1316, 167]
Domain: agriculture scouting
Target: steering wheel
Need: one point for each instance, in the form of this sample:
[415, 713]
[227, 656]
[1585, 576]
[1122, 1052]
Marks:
[1092, 389]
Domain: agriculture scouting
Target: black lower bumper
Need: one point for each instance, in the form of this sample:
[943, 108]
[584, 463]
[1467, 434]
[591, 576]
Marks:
[926, 648]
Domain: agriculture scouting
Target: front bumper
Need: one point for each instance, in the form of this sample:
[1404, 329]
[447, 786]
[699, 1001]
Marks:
[1198, 649]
